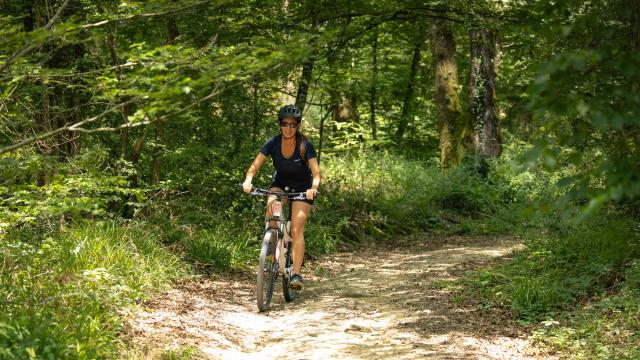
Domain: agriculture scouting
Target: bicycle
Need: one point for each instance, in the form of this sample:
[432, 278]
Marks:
[277, 248]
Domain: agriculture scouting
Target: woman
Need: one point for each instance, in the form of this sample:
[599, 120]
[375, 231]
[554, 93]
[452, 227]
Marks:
[296, 164]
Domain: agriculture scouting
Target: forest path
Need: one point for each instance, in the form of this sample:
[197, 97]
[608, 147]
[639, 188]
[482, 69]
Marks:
[373, 303]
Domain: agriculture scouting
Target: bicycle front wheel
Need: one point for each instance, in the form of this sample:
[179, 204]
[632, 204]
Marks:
[267, 269]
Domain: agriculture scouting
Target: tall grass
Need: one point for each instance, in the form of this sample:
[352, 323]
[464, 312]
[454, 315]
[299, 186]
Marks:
[558, 270]
[61, 294]
[580, 282]
[375, 195]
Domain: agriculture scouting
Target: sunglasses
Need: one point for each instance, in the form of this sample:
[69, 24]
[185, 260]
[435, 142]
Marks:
[288, 125]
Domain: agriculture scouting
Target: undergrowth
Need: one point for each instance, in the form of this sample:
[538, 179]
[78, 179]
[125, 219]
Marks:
[363, 197]
[580, 283]
[62, 294]
[379, 195]
[96, 263]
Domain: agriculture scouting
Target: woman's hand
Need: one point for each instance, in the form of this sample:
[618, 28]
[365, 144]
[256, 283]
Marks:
[253, 169]
[311, 193]
[246, 185]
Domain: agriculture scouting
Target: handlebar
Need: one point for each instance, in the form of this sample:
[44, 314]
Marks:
[291, 196]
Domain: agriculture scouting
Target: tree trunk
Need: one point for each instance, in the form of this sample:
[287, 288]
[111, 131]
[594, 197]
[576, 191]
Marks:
[474, 93]
[158, 152]
[342, 105]
[491, 140]
[256, 109]
[136, 151]
[172, 29]
[29, 19]
[324, 117]
[520, 120]
[75, 144]
[72, 139]
[305, 81]
[346, 110]
[408, 95]
[335, 99]
[43, 120]
[372, 89]
[634, 8]
[449, 109]
[115, 61]
[484, 128]
[43, 117]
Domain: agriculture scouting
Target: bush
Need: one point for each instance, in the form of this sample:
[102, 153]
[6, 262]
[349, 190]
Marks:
[383, 195]
[556, 271]
[62, 294]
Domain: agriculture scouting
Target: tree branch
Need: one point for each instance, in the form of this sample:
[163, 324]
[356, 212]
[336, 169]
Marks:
[77, 127]
[144, 15]
[130, 125]
[73, 127]
[27, 49]
[126, 65]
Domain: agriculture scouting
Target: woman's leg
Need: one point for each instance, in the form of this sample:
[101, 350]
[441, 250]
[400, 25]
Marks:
[299, 213]
[270, 200]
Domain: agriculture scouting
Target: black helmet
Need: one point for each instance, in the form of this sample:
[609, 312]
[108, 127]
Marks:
[290, 111]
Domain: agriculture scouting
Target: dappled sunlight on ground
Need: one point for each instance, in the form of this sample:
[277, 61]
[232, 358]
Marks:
[371, 304]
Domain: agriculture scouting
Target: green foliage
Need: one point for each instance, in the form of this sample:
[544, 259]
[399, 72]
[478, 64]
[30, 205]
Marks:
[558, 270]
[221, 249]
[70, 193]
[584, 101]
[200, 82]
[184, 353]
[382, 195]
[580, 283]
[604, 328]
[366, 196]
[61, 294]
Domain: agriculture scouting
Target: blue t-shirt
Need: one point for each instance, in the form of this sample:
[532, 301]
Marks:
[293, 171]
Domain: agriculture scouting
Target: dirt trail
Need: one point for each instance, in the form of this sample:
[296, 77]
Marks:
[371, 304]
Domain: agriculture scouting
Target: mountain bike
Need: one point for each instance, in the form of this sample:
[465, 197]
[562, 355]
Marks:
[277, 248]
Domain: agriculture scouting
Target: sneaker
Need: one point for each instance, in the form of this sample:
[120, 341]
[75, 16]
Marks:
[296, 282]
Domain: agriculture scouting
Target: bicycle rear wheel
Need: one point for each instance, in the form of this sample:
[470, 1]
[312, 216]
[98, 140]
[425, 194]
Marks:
[289, 293]
[267, 269]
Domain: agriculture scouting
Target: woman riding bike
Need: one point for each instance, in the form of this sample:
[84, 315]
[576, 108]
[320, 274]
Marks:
[297, 170]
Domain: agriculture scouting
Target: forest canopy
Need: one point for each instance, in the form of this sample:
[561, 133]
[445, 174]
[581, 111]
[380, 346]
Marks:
[149, 80]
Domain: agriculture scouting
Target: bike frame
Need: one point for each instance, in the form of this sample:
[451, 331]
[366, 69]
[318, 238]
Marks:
[283, 222]
[276, 223]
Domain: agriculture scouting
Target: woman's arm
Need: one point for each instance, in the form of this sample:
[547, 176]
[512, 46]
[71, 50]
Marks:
[253, 169]
[315, 170]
